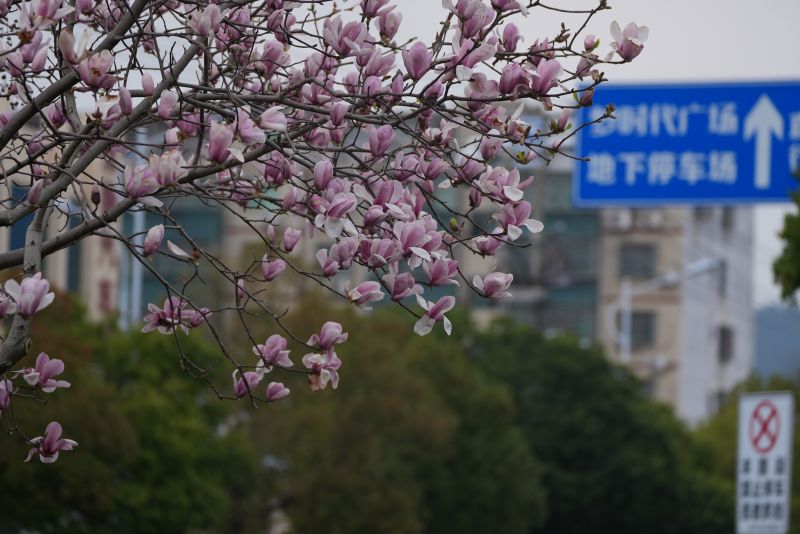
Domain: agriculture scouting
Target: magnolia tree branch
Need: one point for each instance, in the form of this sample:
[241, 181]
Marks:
[313, 127]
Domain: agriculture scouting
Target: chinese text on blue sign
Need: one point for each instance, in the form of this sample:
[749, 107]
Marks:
[690, 144]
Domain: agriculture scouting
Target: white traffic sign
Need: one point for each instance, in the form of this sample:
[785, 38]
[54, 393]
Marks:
[764, 464]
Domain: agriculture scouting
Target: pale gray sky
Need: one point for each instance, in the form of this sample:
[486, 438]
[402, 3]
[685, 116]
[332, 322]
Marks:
[690, 40]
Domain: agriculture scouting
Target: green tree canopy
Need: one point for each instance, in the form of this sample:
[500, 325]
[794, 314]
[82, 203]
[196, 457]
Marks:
[501, 430]
[787, 266]
[613, 460]
[150, 458]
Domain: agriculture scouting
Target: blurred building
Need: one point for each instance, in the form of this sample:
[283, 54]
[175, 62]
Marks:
[691, 336]
[691, 333]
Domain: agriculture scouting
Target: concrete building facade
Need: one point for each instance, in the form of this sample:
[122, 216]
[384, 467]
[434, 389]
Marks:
[691, 337]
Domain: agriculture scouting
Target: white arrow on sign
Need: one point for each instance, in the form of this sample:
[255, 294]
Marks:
[763, 122]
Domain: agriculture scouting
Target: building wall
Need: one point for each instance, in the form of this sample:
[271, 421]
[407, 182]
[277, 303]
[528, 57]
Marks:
[719, 300]
[685, 362]
[656, 360]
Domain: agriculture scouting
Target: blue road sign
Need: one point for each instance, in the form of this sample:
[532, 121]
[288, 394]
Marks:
[690, 144]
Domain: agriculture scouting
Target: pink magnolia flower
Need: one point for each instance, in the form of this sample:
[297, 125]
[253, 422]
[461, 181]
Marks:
[241, 292]
[546, 76]
[401, 285]
[189, 124]
[47, 12]
[94, 70]
[276, 391]
[168, 168]
[35, 192]
[378, 64]
[55, 113]
[563, 120]
[125, 101]
[49, 446]
[338, 112]
[66, 43]
[167, 105]
[323, 173]
[148, 85]
[43, 374]
[587, 97]
[220, 139]
[513, 217]
[590, 42]
[389, 23]
[173, 315]
[84, 6]
[205, 22]
[329, 265]
[417, 60]
[490, 144]
[246, 129]
[273, 352]
[334, 221]
[441, 271]
[7, 305]
[344, 38]
[487, 245]
[372, 8]
[434, 312]
[365, 292]
[493, 285]
[140, 182]
[242, 385]
[273, 119]
[513, 79]
[32, 295]
[331, 334]
[271, 269]
[380, 139]
[511, 37]
[153, 239]
[628, 43]
[508, 5]
[324, 369]
[6, 390]
[291, 236]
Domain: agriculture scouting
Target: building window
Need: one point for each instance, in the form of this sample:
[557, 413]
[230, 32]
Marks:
[643, 330]
[728, 214]
[725, 344]
[702, 213]
[722, 287]
[637, 260]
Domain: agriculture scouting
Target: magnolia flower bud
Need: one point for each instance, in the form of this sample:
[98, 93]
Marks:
[153, 239]
[148, 85]
[95, 195]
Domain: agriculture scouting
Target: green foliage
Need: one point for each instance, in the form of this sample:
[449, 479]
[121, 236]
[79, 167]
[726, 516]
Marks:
[414, 440]
[787, 266]
[613, 460]
[149, 457]
[496, 431]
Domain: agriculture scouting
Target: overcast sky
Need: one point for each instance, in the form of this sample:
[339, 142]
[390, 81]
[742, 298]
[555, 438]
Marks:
[690, 40]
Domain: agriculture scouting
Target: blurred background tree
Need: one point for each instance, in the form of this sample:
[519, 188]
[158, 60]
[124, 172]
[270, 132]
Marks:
[787, 266]
[152, 457]
[613, 460]
[501, 430]
[717, 440]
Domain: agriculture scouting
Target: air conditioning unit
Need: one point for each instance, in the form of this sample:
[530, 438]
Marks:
[620, 220]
